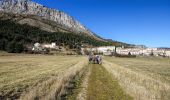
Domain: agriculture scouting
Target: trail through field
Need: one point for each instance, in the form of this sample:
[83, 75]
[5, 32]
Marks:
[102, 86]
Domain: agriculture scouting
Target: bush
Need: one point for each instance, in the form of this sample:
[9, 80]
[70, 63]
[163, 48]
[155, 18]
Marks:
[10, 48]
[14, 47]
[3, 44]
[19, 47]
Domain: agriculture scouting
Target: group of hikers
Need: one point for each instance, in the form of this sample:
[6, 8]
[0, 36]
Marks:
[95, 59]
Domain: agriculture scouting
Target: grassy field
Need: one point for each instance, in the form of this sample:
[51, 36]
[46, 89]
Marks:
[142, 78]
[103, 86]
[37, 76]
[98, 84]
[45, 77]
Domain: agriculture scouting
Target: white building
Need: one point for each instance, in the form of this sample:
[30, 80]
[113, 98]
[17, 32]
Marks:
[42, 47]
[167, 53]
[50, 46]
[37, 47]
[105, 49]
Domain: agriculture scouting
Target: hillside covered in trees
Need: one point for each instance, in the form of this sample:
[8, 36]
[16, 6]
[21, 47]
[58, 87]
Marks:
[15, 37]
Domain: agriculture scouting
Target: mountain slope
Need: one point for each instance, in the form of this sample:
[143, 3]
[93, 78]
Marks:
[32, 20]
[47, 21]
[29, 8]
[16, 38]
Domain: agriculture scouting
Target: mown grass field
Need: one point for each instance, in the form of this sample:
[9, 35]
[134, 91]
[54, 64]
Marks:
[36, 76]
[98, 84]
[45, 77]
[103, 86]
[143, 78]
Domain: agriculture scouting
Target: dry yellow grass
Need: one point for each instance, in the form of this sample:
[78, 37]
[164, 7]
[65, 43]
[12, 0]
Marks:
[142, 78]
[37, 76]
[29, 77]
[82, 95]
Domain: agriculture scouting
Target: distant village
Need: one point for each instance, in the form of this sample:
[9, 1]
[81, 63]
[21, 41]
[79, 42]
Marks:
[135, 51]
[107, 50]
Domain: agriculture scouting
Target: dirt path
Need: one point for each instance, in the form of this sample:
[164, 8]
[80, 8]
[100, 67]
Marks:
[98, 84]
[102, 86]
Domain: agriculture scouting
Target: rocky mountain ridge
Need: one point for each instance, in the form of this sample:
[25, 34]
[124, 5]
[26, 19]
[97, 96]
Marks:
[27, 7]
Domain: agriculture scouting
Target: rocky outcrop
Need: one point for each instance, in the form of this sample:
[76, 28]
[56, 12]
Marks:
[27, 7]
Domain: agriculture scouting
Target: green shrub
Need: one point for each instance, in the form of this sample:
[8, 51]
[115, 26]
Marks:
[14, 47]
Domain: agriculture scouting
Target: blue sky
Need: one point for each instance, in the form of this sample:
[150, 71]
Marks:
[132, 21]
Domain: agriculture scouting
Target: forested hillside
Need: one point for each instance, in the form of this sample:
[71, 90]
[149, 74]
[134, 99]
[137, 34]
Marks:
[15, 37]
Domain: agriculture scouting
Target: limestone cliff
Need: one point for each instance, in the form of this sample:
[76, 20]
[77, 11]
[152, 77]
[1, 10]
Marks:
[27, 7]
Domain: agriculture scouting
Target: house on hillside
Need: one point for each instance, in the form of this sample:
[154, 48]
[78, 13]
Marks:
[105, 49]
[44, 48]
[37, 47]
[50, 46]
